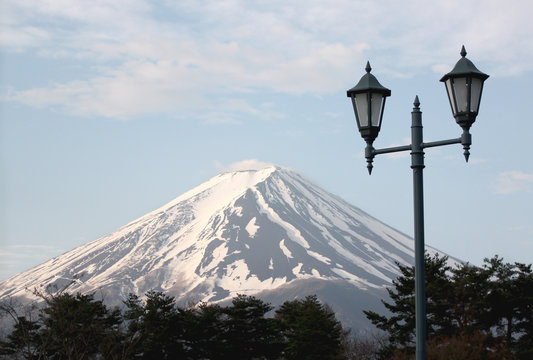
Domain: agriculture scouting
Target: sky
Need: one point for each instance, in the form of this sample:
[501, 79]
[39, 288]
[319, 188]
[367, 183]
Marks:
[110, 109]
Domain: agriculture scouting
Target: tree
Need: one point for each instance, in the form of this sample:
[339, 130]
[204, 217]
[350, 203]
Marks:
[155, 327]
[23, 341]
[485, 311]
[248, 333]
[310, 330]
[523, 285]
[510, 309]
[67, 327]
[76, 326]
[401, 325]
[204, 332]
[238, 331]
[81, 327]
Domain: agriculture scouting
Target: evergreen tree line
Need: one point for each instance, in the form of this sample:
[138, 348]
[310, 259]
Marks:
[473, 312]
[81, 327]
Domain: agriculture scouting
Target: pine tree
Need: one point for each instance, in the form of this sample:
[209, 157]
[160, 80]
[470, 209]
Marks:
[204, 330]
[487, 308]
[76, 326]
[401, 325]
[248, 333]
[155, 327]
[23, 341]
[510, 309]
[310, 330]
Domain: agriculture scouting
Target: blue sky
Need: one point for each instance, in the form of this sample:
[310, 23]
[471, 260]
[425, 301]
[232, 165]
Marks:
[110, 109]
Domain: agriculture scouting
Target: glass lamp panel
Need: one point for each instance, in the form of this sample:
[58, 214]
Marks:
[476, 87]
[376, 100]
[450, 95]
[461, 94]
[355, 111]
[361, 101]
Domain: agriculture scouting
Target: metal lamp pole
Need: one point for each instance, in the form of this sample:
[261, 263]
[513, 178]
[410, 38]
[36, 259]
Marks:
[464, 85]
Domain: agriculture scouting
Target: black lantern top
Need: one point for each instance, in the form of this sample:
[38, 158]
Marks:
[464, 85]
[368, 83]
[368, 98]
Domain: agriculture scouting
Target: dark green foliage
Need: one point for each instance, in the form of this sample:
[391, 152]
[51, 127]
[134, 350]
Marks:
[75, 326]
[69, 327]
[155, 328]
[472, 312]
[401, 325]
[523, 303]
[239, 331]
[80, 327]
[205, 331]
[310, 329]
[248, 333]
[510, 308]
[490, 305]
[22, 340]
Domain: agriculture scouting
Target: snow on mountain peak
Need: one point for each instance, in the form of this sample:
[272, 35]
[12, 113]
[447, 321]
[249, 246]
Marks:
[257, 228]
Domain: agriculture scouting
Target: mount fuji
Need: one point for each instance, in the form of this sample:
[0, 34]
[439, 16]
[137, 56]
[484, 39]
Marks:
[265, 231]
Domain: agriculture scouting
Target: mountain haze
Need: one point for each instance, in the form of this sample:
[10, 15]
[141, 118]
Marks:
[267, 232]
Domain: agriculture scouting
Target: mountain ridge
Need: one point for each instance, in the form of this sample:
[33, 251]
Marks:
[241, 232]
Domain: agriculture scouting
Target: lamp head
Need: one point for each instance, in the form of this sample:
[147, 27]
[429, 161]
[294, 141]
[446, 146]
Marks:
[464, 85]
[368, 99]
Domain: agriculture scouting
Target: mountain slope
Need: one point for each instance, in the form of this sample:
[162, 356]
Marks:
[266, 231]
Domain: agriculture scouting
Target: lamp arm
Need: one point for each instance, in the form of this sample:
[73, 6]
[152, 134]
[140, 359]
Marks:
[371, 152]
[424, 145]
[465, 140]
[441, 143]
[392, 149]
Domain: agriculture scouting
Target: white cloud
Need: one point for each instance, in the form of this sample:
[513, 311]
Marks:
[24, 37]
[510, 182]
[154, 59]
[237, 111]
[442, 68]
[15, 258]
[250, 164]
[137, 88]
[401, 154]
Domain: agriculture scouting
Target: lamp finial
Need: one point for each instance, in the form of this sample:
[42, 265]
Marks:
[463, 51]
[416, 103]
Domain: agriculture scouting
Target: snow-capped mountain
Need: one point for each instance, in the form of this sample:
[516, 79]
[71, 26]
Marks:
[267, 232]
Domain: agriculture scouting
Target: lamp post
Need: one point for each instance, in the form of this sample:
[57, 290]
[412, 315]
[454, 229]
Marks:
[464, 85]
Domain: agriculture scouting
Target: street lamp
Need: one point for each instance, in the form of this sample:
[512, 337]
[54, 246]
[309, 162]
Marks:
[368, 99]
[464, 85]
